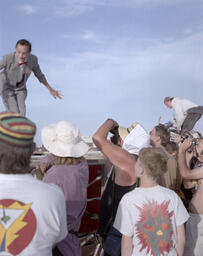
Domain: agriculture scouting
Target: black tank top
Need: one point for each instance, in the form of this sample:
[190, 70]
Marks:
[109, 204]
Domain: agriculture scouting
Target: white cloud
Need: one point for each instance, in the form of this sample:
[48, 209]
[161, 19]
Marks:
[28, 9]
[170, 59]
[71, 8]
[122, 82]
[155, 2]
[88, 36]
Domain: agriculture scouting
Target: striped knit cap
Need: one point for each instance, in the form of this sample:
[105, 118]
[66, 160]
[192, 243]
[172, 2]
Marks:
[16, 129]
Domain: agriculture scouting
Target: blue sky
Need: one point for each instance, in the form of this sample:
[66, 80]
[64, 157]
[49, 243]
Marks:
[109, 58]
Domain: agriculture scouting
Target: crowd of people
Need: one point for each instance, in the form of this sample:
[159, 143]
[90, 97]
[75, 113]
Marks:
[152, 202]
[165, 198]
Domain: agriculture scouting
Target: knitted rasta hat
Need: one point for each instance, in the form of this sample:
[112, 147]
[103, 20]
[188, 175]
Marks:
[16, 129]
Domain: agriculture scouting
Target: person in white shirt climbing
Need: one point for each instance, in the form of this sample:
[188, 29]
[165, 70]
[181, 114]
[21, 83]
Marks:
[186, 113]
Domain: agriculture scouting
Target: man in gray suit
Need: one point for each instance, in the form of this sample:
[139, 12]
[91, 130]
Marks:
[17, 67]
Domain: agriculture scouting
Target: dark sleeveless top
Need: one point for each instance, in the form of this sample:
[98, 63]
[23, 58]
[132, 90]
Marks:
[109, 204]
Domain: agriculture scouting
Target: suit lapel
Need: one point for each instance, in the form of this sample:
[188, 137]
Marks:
[28, 66]
[16, 69]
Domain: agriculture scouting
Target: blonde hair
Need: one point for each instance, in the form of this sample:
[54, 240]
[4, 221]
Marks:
[154, 161]
[67, 160]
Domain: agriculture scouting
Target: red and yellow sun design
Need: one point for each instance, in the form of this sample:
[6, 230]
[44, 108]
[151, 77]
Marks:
[17, 226]
[154, 229]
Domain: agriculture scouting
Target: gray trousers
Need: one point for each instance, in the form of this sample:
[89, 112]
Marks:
[14, 100]
[193, 115]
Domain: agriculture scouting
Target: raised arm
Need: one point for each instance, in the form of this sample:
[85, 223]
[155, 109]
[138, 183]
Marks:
[117, 156]
[186, 173]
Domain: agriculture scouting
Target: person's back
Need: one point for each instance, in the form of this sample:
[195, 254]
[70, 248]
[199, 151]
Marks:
[151, 218]
[32, 215]
[154, 214]
[183, 104]
[73, 180]
[71, 173]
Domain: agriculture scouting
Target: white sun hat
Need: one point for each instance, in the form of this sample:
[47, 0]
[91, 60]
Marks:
[63, 139]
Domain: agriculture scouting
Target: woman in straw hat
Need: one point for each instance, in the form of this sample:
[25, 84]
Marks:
[70, 172]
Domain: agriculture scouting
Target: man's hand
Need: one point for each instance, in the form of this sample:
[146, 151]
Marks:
[113, 123]
[185, 145]
[159, 120]
[55, 93]
[177, 138]
[43, 168]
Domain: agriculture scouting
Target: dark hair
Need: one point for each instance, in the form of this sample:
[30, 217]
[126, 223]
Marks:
[193, 162]
[26, 43]
[163, 133]
[135, 156]
[115, 139]
[15, 160]
[166, 99]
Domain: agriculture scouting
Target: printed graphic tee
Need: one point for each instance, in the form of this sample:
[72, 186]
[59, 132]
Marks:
[151, 216]
[32, 216]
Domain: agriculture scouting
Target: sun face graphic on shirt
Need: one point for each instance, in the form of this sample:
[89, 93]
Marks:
[17, 226]
[154, 229]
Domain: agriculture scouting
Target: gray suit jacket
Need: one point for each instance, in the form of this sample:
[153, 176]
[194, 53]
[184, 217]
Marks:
[9, 75]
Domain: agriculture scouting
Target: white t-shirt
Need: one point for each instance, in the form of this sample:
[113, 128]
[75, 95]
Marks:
[151, 216]
[32, 216]
[180, 107]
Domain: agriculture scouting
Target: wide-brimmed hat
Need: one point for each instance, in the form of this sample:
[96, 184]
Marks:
[137, 138]
[63, 139]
